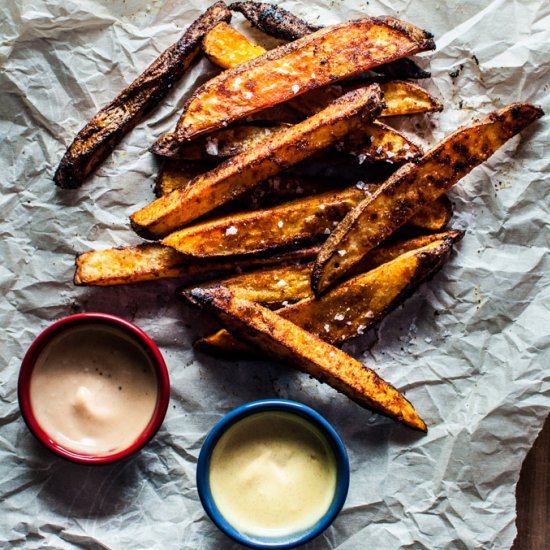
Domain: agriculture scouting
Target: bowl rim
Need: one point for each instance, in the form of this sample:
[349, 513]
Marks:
[264, 405]
[96, 318]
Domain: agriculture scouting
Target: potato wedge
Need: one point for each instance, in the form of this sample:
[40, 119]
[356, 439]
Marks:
[288, 342]
[400, 97]
[243, 172]
[259, 231]
[314, 61]
[95, 142]
[152, 261]
[289, 224]
[414, 185]
[280, 23]
[350, 308]
[226, 46]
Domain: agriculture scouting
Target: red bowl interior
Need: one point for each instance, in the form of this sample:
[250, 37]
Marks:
[163, 381]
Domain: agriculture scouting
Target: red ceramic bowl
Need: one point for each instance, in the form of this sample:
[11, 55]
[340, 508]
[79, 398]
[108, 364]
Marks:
[141, 339]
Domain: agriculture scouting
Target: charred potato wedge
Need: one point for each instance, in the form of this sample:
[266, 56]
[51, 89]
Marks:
[285, 72]
[95, 142]
[273, 20]
[152, 261]
[414, 185]
[243, 172]
[226, 46]
[287, 342]
[348, 310]
[280, 23]
[290, 224]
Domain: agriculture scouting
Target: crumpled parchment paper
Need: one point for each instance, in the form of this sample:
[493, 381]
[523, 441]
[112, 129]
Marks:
[471, 348]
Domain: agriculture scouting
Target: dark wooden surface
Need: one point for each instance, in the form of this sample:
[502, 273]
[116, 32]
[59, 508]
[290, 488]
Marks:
[533, 496]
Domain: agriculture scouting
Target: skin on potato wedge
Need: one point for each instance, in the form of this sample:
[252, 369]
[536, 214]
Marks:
[152, 261]
[351, 307]
[243, 172]
[414, 185]
[280, 23]
[226, 46]
[105, 130]
[311, 62]
[287, 342]
[289, 224]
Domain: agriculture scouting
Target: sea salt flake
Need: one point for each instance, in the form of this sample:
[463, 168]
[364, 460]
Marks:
[326, 231]
[313, 76]
[406, 146]
[295, 89]
[428, 340]
[285, 303]
[282, 282]
[390, 155]
[360, 185]
[361, 158]
[322, 207]
[327, 328]
[280, 223]
[342, 252]
[361, 329]
[248, 95]
[369, 314]
[408, 156]
[232, 230]
[379, 149]
[212, 146]
[339, 317]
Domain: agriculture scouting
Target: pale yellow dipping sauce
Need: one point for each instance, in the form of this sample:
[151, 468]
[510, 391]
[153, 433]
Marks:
[93, 390]
[272, 474]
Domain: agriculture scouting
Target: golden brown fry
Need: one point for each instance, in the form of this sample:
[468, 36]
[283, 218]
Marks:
[227, 47]
[278, 22]
[289, 224]
[152, 261]
[434, 216]
[392, 273]
[243, 172]
[258, 231]
[314, 61]
[414, 185]
[288, 342]
[94, 143]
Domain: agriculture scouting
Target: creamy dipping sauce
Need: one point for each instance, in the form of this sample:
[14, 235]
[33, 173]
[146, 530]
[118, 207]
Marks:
[272, 474]
[93, 390]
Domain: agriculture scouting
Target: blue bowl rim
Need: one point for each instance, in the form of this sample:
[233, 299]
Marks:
[283, 405]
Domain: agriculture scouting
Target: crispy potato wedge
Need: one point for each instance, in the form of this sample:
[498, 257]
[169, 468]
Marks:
[152, 261]
[288, 342]
[352, 307]
[258, 231]
[314, 61]
[95, 142]
[414, 185]
[280, 23]
[289, 224]
[243, 172]
[226, 46]
[434, 216]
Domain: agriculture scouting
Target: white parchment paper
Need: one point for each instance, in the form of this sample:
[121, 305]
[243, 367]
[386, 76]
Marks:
[471, 348]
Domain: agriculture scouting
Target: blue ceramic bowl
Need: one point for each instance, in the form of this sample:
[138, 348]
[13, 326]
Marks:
[280, 405]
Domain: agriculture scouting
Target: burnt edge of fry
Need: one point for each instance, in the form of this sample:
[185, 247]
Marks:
[88, 149]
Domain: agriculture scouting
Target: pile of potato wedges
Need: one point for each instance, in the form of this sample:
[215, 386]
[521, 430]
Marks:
[293, 261]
